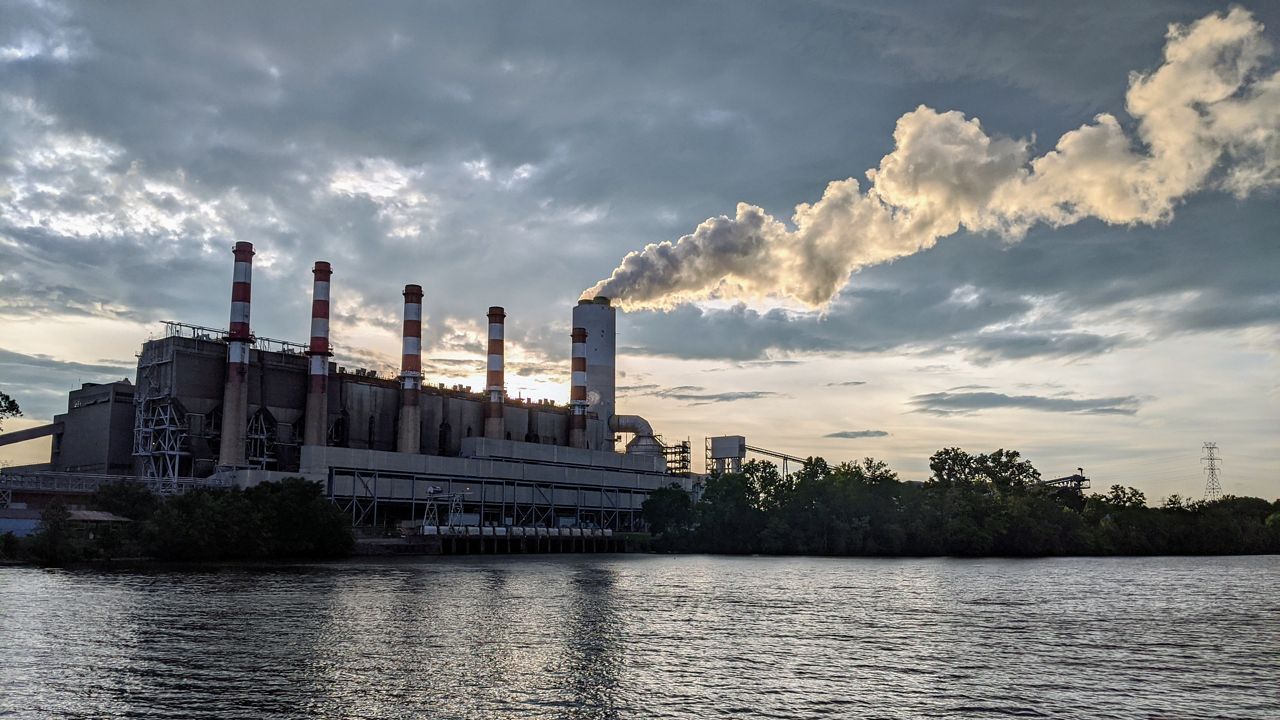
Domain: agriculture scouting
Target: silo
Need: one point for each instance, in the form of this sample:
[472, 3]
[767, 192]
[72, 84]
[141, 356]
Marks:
[600, 320]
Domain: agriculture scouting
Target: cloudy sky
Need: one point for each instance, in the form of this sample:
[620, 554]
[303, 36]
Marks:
[1068, 243]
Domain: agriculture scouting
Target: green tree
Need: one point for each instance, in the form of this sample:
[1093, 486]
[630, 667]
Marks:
[770, 488]
[729, 517]
[9, 545]
[1006, 469]
[984, 504]
[668, 509]
[8, 408]
[963, 511]
[298, 521]
[54, 542]
[278, 520]
[128, 499]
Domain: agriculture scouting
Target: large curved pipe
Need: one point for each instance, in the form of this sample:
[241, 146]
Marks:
[644, 443]
[631, 424]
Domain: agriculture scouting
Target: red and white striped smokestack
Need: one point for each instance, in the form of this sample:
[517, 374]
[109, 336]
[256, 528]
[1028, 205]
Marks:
[235, 398]
[408, 440]
[578, 390]
[316, 424]
[494, 424]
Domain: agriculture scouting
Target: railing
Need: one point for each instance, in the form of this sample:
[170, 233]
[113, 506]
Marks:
[174, 328]
[83, 483]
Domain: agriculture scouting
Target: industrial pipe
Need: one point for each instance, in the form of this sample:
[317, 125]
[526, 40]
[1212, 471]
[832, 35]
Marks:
[235, 398]
[316, 427]
[644, 443]
[409, 437]
[494, 424]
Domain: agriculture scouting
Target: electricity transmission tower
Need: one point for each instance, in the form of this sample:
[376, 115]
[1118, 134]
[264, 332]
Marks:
[1212, 488]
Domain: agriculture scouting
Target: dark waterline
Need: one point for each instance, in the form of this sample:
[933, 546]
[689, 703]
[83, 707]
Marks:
[648, 636]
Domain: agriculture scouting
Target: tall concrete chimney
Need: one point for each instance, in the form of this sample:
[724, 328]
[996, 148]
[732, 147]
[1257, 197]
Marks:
[316, 424]
[494, 425]
[408, 440]
[578, 390]
[235, 397]
[599, 319]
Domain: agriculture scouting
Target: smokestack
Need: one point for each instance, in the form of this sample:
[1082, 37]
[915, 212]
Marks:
[599, 319]
[578, 390]
[494, 425]
[316, 425]
[235, 398]
[408, 440]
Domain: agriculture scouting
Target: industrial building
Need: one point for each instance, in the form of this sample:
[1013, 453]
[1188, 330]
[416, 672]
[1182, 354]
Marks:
[222, 408]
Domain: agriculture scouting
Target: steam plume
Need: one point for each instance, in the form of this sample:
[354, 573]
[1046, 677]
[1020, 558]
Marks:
[1208, 116]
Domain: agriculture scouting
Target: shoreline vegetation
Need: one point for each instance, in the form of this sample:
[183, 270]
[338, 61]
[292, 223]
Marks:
[286, 520]
[971, 506]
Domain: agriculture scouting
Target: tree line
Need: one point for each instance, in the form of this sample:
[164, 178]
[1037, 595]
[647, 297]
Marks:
[971, 505]
[290, 519]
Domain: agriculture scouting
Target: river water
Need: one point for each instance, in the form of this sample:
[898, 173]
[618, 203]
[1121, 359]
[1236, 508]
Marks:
[628, 636]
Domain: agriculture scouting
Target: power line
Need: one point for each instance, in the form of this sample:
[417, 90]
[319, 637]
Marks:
[1212, 487]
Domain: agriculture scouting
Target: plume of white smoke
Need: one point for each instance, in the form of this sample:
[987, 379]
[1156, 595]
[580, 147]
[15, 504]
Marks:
[1208, 116]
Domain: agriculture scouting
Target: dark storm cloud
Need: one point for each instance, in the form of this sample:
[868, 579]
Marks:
[1029, 47]
[989, 347]
[968, 403]
[767, 363]
[861, 320]
[708, 398]
[992, 302]
[39, 383]
[696, 394]
[502, 154]
[847, 383]
[857, 434]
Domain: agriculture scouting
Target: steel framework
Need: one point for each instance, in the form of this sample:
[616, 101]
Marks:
[1212, 485]
[87, 484]
[160, 439]
[777, 455]
[261, 440]
[1077, 482]
[678, 456]
[173, 328]
[372, 497]
[161, 430]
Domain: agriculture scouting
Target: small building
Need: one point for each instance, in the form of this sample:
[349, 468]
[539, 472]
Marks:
[23, 522]
[95, 434]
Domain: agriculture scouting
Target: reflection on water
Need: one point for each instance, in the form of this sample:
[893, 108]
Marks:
[593, 646]
[642, 637]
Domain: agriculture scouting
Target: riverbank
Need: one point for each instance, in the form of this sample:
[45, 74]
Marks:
[990, 505]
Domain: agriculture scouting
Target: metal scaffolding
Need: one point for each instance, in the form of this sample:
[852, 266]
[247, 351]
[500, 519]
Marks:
[160, 439]
[260, 440]
[679, 457]
[374, 498]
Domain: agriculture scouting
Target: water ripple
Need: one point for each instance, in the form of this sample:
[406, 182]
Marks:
[597, 637]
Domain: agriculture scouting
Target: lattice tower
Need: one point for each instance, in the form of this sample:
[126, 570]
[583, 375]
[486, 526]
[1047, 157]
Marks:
[1212, 484]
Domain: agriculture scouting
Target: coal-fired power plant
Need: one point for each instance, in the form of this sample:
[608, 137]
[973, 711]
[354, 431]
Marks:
[224, 408]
